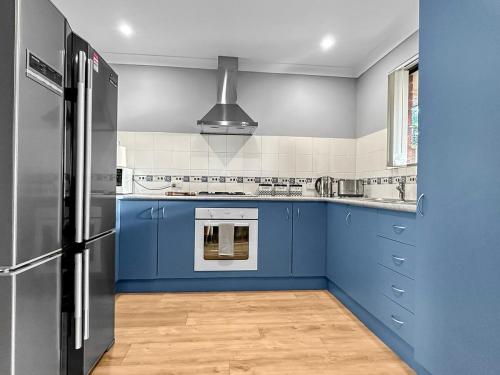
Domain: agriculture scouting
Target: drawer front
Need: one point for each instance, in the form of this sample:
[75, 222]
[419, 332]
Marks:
[397, 287]
[397, 256]
[399, 226]
[398, 319]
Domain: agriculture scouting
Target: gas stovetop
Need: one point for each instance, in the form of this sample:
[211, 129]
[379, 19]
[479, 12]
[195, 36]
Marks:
[232, 193]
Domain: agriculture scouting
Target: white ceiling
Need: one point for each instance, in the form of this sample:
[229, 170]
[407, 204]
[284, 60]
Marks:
[268, 35]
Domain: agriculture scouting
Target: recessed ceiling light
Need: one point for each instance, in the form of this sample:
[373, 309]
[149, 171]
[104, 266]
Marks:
[327, 42]
[126, 29]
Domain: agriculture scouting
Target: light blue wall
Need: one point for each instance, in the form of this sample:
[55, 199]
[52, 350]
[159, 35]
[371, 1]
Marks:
[371, 91]
[173, 99]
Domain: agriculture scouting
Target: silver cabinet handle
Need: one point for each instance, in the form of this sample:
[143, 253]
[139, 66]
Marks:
[398, 229]
[151, 212]
[397, 321]
[420, 202]
[397, 260]
[348, 218]
[287, 213]
[298, 213]
[86, 294]
[163, 212]
[78, 300]
[397, 290]
[80, 148]
[88, 150]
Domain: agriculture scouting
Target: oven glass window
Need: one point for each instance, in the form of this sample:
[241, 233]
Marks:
[211, 243]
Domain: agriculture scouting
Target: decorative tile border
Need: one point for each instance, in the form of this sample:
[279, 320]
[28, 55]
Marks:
[269, 180]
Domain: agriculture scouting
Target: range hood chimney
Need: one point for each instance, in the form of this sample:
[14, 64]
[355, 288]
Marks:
[227, 117]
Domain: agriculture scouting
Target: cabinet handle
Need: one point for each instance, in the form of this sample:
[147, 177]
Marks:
[287, 213]
[151, 213]
[348, 218]
[298, 213]
[420, 208]
[397, 290]
[397, 260]
[163, 212]
[398, 229]
[398, 322]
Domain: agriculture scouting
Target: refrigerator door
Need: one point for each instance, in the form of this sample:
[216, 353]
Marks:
[99, 289]
[100, 161]
[30, 319]
[38, 135]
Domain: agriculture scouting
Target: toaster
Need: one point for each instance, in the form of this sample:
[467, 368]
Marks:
[350, 188]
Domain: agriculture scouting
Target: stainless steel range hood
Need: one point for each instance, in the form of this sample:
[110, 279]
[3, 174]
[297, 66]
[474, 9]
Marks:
[227, 117]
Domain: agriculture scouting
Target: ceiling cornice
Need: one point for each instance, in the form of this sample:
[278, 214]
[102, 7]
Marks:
[250, 65]
[245, 65]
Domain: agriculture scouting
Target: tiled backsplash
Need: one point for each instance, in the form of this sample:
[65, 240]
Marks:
[371, 156]
[195, 162]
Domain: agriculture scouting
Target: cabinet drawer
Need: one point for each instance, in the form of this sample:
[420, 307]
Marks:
[399, 226]
[397, 287]
[398, 319]
[397, 256]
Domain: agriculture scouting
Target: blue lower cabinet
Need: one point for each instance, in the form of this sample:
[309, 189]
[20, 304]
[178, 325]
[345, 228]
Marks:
[176, 239]
[275, 239]
[137, 252]
[400, 320]
[176, 229]
[352, 251]
[309, 239]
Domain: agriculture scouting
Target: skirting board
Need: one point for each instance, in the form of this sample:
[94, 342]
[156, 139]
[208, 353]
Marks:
[221, 284]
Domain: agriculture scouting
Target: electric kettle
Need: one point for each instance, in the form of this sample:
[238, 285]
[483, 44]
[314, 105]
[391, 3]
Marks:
[324, 186]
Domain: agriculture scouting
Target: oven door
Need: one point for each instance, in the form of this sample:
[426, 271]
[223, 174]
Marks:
[206, 254]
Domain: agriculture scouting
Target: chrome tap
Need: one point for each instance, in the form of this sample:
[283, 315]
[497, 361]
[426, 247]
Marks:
[402, 190]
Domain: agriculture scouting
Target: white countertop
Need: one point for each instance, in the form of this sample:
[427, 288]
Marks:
[362, 202]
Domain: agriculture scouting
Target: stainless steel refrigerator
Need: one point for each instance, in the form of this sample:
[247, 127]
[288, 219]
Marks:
[58, 114]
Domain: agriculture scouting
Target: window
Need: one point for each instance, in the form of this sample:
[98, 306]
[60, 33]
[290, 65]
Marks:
[403, 116]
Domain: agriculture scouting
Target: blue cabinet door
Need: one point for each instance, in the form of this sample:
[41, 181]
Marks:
[137, 251]
[351, 256]
[458, 257]
[275, 239]
[340, 261]
[176, 229]
[309, 239]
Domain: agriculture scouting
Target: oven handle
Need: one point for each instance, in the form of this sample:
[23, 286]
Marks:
[217, 223]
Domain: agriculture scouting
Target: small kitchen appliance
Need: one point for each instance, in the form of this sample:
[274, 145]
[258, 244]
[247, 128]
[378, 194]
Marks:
[350, 188]
[324, 186]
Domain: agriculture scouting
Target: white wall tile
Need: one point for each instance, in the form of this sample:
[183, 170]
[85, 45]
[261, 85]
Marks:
[270, 144]
[234, 162]
[342, 147]
[286, 146]
[162, 159]
[199, 160]
[303, 163]
[144, 159]
[270, 162]
[320, 164]
[216, 161]
[321, 146]
[144, 141]
[199, 142]
[235, 143]
[180, 160]
[303, 145]
[217, 143]
[252, 162]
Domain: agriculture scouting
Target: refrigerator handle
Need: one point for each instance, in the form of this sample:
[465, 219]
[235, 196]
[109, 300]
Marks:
[86, 294]
[80, 145]
[78, 301]
[88, 149]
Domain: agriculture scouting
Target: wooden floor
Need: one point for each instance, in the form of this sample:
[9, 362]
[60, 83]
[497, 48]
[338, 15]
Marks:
[271, 333]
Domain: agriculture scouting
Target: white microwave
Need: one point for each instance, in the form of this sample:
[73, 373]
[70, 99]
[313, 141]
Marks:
[124, 181]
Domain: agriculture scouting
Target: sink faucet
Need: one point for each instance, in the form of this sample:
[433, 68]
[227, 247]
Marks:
[402, 190]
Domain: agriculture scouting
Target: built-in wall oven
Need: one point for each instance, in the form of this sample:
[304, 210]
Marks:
[226, 239]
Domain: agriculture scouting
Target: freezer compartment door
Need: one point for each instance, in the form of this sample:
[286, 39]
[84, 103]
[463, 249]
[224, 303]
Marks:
[30, 320]
[39, 138]
[100, 159]
[99, 322]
